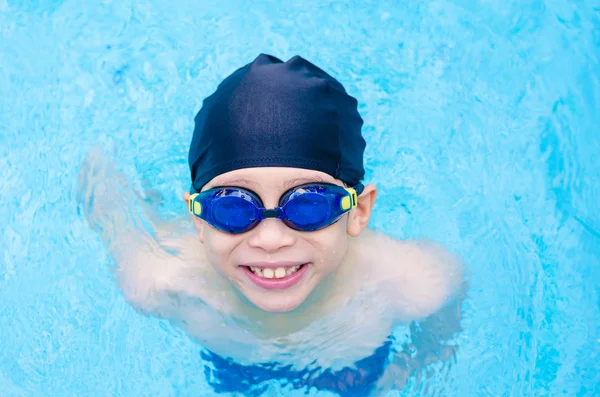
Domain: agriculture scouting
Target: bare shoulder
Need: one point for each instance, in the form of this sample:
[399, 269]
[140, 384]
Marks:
[420, 276]
[158, 275]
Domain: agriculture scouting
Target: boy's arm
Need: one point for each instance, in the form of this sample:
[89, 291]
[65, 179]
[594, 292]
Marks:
[432, 340]
[143, 269]
[425, 284]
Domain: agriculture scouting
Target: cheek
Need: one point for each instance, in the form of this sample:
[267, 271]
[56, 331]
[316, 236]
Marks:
[218, 247]
[331, 244]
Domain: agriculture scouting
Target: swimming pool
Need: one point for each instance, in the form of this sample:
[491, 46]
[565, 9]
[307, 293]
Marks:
[482, 126]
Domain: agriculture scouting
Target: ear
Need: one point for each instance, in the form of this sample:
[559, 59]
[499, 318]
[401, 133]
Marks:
[360, 215]
[197, 221]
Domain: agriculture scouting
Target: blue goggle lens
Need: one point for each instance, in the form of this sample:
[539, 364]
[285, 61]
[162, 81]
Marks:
[308, 211]
[233, 214]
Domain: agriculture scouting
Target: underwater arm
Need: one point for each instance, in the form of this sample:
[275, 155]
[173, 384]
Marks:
[114, 211]
[432, 340]
[427, 288]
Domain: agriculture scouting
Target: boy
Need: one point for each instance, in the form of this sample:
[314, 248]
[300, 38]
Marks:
[282, 280]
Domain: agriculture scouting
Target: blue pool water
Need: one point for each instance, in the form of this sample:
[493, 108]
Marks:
[482, 122]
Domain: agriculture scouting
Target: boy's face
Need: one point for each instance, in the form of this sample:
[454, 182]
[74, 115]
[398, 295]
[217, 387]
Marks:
[254, 261]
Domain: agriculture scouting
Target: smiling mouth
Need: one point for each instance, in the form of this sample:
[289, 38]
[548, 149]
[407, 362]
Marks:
[275, 273]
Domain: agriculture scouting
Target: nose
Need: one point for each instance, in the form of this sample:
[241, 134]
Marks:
[271, 235]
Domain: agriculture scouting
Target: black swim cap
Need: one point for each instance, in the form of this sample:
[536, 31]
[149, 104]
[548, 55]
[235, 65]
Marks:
[270, 113]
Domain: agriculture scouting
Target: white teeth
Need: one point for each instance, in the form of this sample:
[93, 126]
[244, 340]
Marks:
[257, 270]
[280, 272]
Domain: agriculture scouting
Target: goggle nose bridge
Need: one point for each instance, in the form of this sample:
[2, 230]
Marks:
[272, 213]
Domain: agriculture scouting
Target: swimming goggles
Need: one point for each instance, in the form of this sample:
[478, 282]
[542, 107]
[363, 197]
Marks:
[306, 208]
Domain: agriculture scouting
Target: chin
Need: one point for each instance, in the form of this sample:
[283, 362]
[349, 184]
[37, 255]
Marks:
[277, 304]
